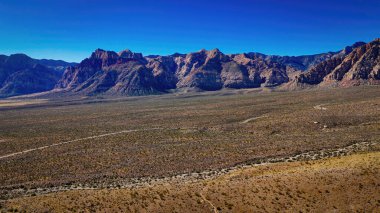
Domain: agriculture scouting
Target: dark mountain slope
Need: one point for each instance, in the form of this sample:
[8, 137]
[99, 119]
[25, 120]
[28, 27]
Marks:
[20, 74]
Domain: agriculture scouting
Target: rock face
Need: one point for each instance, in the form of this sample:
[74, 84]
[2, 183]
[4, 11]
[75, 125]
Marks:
[20, 74]
[357, 65]
[129, 73]
[262, 72]
[212, 70]
[108, 72]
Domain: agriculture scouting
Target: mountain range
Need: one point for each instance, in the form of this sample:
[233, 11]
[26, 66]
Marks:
[360, 66]
[129, 73]
[20, 74]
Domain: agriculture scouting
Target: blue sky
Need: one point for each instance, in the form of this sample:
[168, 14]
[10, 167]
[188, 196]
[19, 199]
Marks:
[72, 29]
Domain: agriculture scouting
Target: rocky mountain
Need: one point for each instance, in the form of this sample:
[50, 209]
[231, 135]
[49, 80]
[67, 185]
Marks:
[20, 74]
[352, 66]
[108, 72]
[129, 73]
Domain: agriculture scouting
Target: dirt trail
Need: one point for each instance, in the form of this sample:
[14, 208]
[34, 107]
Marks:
[252, 119]
[320, 107]
[72, 141]
[209, 202]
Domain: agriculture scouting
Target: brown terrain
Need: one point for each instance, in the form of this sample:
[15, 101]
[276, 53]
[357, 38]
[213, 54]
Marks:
[345, 184]
[229, 150]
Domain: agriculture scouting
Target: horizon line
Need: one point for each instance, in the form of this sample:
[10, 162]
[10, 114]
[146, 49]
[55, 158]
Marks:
[147, 55]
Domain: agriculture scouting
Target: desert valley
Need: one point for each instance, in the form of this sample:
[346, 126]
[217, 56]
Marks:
[189, 106]
[166, 147]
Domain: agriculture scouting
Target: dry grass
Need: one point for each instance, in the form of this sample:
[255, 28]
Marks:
[345, 184]
[199, 131]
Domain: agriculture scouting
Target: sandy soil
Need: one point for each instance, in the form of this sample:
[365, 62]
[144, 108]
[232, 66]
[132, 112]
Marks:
[13, 103]
[340, 184]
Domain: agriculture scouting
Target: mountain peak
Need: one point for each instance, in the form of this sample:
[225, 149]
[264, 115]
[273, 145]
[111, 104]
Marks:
[178, 55]
[358, 44]
[203, 51]
[215, 50]
[129, 54]
[347, 50]
[103, 54]
[20, 61]
[124, 52]
[20, 56]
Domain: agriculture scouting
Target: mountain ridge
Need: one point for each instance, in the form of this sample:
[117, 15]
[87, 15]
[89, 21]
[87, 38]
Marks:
[132, 74]
[360, 65]
[21, 74]
[129, 73]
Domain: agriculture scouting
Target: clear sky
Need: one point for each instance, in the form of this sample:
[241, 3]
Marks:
[72, 29]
